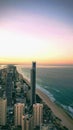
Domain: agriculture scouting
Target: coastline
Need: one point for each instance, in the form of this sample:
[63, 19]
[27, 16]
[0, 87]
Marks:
[58, 111]
[53, 100]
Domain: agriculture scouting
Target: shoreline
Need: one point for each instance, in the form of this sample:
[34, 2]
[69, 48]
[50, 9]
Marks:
[64, 110]
[50, 96]
[57, 110]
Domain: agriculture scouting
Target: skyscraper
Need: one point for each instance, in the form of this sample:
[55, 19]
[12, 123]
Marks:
[9, 83]
[1, 92]
[9, 88]
[33, 83]
[37, 114]
[27, 122]
[18, 112]
[3, 107]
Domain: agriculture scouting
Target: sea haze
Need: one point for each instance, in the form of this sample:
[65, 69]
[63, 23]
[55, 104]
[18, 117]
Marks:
[57, 83]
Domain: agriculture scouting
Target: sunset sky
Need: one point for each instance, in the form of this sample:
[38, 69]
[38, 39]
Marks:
[36, 30]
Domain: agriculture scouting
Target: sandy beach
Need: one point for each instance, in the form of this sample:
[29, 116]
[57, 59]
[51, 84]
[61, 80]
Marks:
[59, 112]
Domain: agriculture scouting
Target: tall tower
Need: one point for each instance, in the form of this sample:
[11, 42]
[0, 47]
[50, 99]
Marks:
[33, 83]
[37, 114]
[9, 88]
[18, 112]
[3, 108]
[11, 70]
[1, 92]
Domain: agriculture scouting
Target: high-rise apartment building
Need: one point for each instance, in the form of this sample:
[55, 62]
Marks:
[3, 110]
[27, 122]
[33, 83]
[18, 112]
[37, 114]
[9, 88]
[1, 92]
[11, 70]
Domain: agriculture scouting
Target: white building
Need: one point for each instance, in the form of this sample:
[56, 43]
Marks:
[27, 122]
[37, 114]
[3, 111]
[18, 112]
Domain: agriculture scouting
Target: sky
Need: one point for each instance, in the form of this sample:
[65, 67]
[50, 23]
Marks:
[36, 30]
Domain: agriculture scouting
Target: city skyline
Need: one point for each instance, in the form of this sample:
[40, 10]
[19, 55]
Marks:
[40, 31]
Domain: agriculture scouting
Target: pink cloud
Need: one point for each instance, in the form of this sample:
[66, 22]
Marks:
[38, 26]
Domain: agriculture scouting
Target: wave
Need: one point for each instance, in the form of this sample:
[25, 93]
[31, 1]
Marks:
[47, 93]
[58, 91]
[69, 109]
[37, 85]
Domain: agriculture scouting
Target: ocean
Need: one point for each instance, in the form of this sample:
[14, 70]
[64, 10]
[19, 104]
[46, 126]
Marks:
[56, 82]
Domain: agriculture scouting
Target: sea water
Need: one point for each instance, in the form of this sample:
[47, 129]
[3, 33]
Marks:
[57, 83]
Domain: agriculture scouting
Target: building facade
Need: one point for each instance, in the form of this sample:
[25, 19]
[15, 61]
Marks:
[27, 122]
[18, 112]
[9, 83]
[33, 83]
[3, 111]
[37, 114]
[9, 88]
